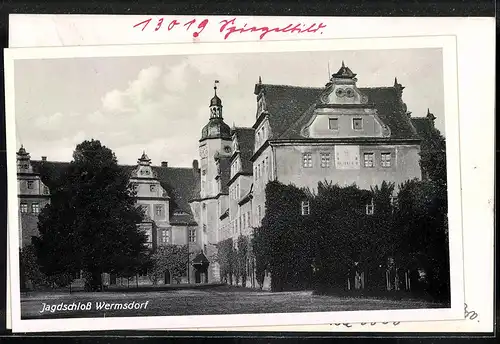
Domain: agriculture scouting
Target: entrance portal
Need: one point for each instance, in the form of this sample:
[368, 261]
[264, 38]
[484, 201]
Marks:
[200, 264]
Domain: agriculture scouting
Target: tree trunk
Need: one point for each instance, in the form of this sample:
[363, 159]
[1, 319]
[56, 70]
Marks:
[95, 280]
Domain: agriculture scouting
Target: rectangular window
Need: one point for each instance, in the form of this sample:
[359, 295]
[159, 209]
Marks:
[165, 236]
[305, 209]
[159, 210]
[204, 227]
[23, 207]
[325, 160]
[249, 219]
[368, 159]
[385, 159]
[35, 208]
[30, 184]
[307, 160]
[256, 177]
[333, 123]
[357, 123]
[192, 235]
[152, 188]
[259, 212]
[370, 208]
[244, 220]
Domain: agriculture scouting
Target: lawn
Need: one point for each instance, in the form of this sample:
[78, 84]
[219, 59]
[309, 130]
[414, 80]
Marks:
[216, 300]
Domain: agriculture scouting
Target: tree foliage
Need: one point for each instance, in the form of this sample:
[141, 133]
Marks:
[91, 222]
[173, 258]
[226, 257]
[350, 231]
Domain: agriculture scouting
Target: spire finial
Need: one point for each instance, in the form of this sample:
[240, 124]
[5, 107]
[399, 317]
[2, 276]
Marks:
[343, 65]
[260, 80]
[395, 81]
[215, 86]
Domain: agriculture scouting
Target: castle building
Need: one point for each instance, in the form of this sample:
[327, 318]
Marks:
[301, 135]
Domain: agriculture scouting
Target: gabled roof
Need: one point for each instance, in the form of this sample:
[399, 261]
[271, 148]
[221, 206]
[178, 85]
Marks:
[200, 259]
[177, 181]
[286, 104]
[291, 107]
[246, 141]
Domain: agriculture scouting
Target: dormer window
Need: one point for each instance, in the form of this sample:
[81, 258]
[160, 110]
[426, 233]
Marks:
[357, 123]
[333, 123]
[152, 188]
[31, 184]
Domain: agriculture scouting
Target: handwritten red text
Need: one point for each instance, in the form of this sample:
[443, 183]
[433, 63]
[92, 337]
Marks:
[227, 27]
[161, 23]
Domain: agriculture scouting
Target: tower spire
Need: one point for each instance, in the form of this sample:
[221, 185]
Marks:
[343, 65]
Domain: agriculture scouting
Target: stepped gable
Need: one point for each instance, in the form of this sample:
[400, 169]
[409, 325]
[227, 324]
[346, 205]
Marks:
[246, 142]
[291, 107]
[177, 181]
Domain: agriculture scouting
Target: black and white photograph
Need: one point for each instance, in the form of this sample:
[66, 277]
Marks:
[251, 184]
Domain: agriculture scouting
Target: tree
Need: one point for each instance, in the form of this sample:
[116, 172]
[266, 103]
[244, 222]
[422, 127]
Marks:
[226, 259]
[242, 258]
[91, 222]
[261, 254]
[433, 156]
[172, 258]
[29, 269]
[422, 219]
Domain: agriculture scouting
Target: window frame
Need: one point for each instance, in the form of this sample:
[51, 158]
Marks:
[35, 205]
[372, 159]
[23, 208]
[165, 236]
[355, 119]
[305, 208]
[30, 184]
[325, 159]
[158, 207]
[333, 119]
[307, 160]
[192, 235]
[386, 163]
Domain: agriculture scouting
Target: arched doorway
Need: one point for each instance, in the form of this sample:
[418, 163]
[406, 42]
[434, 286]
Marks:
[166, 277]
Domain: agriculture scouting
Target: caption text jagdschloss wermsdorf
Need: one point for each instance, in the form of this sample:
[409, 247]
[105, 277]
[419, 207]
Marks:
[88, 306]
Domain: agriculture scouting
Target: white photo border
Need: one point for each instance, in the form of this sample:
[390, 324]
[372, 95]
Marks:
[450, 79]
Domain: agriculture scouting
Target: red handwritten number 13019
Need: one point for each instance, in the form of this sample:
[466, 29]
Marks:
[201, 26]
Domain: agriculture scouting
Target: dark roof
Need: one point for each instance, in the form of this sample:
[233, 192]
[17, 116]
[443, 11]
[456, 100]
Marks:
[178, 182]
[246, 141]
[290, 108]
[225, 172]
[200, 259]
[391, 111]
[423, 126]
[426, 130]
[286, 104]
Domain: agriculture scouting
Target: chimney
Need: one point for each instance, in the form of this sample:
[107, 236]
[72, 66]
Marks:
[44, 158]
[164, 164]
[195, 165]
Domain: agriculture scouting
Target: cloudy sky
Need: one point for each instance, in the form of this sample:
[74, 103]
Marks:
[160, 103]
